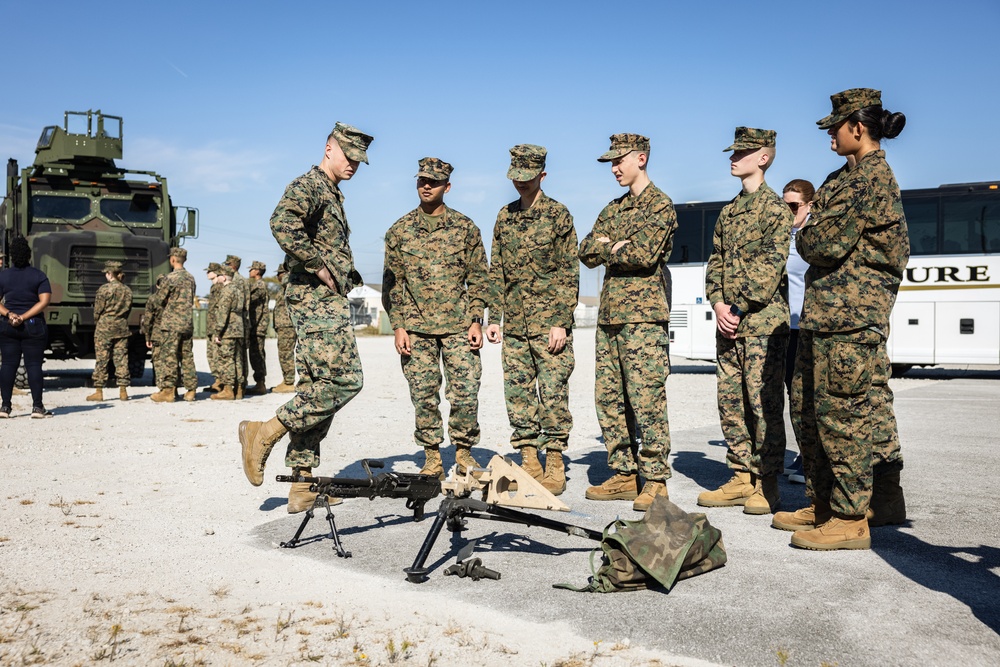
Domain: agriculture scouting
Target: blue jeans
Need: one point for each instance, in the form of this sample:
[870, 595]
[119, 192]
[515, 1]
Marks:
[28, 341]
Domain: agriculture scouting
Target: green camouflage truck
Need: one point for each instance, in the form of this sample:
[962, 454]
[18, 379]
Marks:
[78, 209]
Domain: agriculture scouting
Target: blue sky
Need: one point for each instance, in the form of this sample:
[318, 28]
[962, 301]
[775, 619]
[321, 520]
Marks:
[231, 101]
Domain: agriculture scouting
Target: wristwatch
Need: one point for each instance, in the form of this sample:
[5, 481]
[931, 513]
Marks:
[477, 320]
[736, 311]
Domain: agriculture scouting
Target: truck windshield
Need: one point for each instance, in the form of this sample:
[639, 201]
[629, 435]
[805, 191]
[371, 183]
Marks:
[59, 207]
[138, 209]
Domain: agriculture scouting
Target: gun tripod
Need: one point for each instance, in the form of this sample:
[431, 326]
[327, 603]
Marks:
[454, 513]
[320, 502]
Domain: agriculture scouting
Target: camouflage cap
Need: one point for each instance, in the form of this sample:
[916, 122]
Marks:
[435, 169]
[179, 253]
[233, 259]
[352, 141]
[258, 266]
[282, 269]
[623, 144]
[213, 267]
[112, 266]
[751, 138]
[847, 102]
[225, 270]
[526, 162]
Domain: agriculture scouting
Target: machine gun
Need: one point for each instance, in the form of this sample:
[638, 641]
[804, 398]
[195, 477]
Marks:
[415, 488]
[503, 485]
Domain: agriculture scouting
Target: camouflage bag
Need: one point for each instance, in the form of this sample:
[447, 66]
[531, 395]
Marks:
[665, 546]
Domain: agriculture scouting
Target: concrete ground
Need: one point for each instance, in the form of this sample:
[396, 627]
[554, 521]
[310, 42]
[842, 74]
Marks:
[137, 510]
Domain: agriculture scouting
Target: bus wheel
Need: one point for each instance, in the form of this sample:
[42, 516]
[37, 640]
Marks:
[898, 370]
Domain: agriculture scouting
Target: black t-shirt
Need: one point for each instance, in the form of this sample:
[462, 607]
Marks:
[19, 288]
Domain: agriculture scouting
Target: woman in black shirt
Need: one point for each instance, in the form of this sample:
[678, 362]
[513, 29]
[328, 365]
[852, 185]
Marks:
[24, 292]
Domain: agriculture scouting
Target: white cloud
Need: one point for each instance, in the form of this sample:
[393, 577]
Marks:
[213, 167]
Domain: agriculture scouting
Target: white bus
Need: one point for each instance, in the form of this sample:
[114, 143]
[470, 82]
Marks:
[948, 308]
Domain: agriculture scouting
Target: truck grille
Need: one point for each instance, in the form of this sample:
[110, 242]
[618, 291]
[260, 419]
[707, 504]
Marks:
[86, 270]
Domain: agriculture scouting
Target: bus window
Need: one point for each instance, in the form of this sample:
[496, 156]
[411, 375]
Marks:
[687, 238]
[970, 225]
[922, 222]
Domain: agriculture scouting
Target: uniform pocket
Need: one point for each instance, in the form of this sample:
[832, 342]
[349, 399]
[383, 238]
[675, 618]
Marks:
[850, 369]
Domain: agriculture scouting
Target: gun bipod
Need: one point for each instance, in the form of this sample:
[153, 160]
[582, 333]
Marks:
[321, 502]
[455, 512]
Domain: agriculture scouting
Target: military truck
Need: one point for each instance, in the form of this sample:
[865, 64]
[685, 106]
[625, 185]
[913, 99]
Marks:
[78, 209]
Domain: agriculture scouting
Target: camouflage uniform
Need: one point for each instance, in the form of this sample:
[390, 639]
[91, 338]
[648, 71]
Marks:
[435, 287]
[174, 303]
[536, 275]
[244, 286]
[310, 226]
[857, 247]
[286, 336]
[111, 308]
[149, 327]
[229, 330]
[747, 270]
[632, 336]
[257, 325]
[211, 349]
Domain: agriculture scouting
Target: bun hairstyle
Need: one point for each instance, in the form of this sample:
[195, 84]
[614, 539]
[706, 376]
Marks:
[20, 252]
[881, 124]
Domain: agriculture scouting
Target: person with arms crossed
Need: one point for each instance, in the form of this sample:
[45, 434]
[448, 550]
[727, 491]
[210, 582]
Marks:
[632, 239]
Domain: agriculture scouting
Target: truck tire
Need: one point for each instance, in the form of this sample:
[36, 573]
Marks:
[21, 379]
[137, 352]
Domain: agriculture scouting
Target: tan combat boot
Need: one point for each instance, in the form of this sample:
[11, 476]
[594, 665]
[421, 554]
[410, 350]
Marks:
[257, 390]
[216, 386]
[806, 518]
[98, 394]
[284, 388]
[165, 395]
[122, 394]
[650, 490]
[623, 486]
[257, 440]
[300, 498]
[239, 393]
[840, 532]
[189, 395]
[464, 461]
[432, 463]
[530, 463]
[224, 394]
[887, 506]
[765, 498]
[554, 480]
[732, 493]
